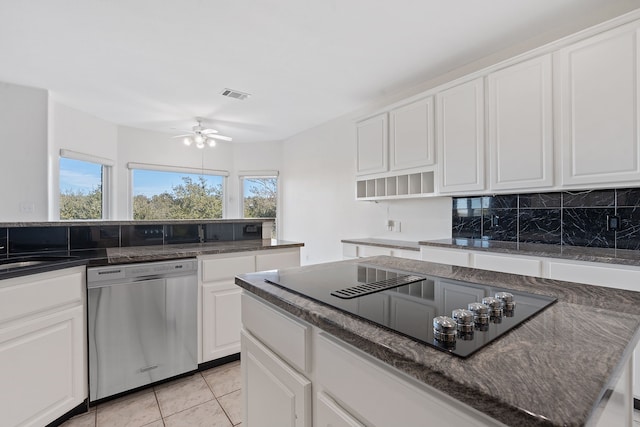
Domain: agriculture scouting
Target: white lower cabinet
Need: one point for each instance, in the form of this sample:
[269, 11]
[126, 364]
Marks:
[274, 393]
[275, 364]
[220, 321]
[379, 396]
[43, 348]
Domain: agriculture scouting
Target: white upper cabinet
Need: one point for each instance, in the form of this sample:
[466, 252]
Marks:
[599, 108]
[520, 121]
[411, 138]
[460, 136]
[372, 145]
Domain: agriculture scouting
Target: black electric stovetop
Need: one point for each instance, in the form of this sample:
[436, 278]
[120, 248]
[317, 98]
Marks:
[407, 303]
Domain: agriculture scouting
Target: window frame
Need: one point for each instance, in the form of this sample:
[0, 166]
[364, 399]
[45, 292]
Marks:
[242, 175]
[131, 166]
[107, 179]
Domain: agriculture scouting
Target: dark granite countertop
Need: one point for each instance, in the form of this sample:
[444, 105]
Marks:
[555, 369]
[385, 243]
[578, 253]
[123, 255]
[188, 250]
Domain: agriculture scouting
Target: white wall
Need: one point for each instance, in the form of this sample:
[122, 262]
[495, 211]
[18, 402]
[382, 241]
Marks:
[318, 197]
[250, 158]
[23, 159]
[77, 131]
[143, 146]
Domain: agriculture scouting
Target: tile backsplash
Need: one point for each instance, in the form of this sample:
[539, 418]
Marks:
[596, 218]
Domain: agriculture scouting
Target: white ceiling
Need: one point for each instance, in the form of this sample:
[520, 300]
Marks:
[157, 64]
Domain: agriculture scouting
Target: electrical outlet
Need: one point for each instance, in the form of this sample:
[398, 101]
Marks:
[390, 225]
[396, 226]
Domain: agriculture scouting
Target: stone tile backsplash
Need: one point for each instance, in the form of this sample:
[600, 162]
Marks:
[574, 218]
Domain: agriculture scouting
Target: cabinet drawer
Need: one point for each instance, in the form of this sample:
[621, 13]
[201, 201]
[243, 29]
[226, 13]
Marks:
[611, 277]
[375, 251]
[349, 251]
[227, 268]
[444, 256]
[508, 264]
[284, 335]
[345, 374]
[278, 260]
[30, 294]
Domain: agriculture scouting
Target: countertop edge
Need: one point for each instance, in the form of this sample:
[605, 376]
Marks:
[385, 243]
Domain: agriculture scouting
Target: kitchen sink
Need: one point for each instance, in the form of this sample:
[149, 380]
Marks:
[17, 263]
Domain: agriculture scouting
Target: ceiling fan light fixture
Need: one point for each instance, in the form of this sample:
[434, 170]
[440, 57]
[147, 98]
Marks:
[199, 138]
[187, 141]
[211, 142]
[200, 144]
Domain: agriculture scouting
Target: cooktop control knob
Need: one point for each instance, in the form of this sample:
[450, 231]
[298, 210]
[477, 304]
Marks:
[444, 329]
[480, 313]
[495, 306]
[464, 320]
[507, 300]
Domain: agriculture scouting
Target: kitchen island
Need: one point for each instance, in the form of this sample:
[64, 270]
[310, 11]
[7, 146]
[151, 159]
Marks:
[569, 365]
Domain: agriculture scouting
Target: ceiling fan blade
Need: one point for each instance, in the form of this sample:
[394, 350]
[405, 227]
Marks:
[220, 137]
[208, 131]
[182, 136]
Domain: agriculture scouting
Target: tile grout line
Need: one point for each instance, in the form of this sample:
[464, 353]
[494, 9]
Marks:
[216, 399]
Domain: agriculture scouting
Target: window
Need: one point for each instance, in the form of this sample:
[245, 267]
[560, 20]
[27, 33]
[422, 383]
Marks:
[260, 196]
[174, 193]
[83, 186]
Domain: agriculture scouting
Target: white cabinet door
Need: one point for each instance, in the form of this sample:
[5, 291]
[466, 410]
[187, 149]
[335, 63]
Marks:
[460, 135]
[411, 139]
[372, 145]
[274, 394]
[43, 368]
[599, 105]
[330, 414]
[221, 321]
[521, 125]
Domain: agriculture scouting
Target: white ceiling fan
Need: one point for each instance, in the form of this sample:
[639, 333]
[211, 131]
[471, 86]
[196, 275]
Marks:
[201, 136]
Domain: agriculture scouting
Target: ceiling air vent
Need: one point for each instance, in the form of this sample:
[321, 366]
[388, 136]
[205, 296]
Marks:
[236, 94]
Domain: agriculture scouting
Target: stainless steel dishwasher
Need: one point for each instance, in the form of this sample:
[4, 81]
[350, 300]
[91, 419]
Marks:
[142, 324]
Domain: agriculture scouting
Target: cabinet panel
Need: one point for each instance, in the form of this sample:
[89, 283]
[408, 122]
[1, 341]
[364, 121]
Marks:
[221, 321]
[445, 256]
[592, 274]
[599, 102]
[508, 264]
[521, 125]
[330, 414]
[411, 135]
[286, 336]
[460, 134]
[30, 294]
[274, 394]
[364, 383]
[43, 368]
[226, 268]
[372, 145]
[278, 260]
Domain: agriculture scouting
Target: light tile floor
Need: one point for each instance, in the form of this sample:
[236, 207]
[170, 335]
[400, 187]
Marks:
[210, 398]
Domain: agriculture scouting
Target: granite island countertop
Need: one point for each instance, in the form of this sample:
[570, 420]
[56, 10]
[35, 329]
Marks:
[577, 253]
[555, 369]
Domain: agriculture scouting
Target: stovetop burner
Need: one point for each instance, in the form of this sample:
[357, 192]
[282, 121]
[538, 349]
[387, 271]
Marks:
[418, 306]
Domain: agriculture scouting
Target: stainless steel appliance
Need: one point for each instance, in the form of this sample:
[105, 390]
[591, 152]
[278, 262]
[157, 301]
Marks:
[142, 324]
[451, 315]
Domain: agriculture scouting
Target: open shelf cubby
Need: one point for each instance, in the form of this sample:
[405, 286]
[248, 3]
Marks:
[396, 187]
